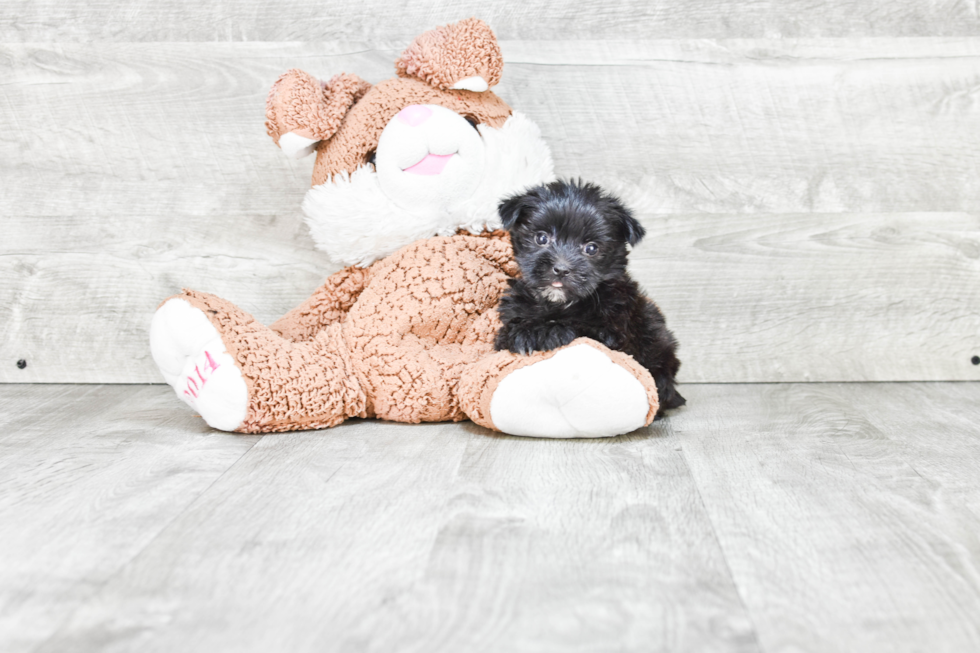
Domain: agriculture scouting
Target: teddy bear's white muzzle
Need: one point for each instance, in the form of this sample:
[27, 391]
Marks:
[429, 158]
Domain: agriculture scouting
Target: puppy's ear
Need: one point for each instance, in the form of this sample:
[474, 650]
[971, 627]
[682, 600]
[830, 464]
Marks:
[633, 231]
[514, 210]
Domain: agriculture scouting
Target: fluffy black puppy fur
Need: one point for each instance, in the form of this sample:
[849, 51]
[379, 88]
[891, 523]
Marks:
[570, 240]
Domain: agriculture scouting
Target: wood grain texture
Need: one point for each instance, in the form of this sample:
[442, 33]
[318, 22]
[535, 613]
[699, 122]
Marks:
[89, 475]
[133, 169]
[382, 537]
[848, 513]
[808, 297]
[80, 308]
[828, 126]
[292, 20]
[817, 297]
[176, 130]
[764, 517]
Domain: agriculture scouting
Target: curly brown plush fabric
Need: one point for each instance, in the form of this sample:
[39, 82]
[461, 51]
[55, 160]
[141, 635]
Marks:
[291, 386]
[348, 115]
[358, 135]
[447, 54]
[392, 343]
[426, 315]
[325, 306]
[409, 339]
[299, 103]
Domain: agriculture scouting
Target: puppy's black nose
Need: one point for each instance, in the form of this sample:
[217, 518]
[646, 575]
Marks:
[560, 272]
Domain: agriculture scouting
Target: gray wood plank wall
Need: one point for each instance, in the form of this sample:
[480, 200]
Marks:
[299, 20]
[808, 173]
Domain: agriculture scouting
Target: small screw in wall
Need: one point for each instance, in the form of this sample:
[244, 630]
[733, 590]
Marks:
[975, 360]
[21, 364]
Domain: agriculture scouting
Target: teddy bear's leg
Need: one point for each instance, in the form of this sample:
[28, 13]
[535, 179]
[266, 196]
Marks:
[328, 305]
[582, 390]
[242, 376]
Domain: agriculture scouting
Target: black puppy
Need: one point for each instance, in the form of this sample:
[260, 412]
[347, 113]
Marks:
[570, 240]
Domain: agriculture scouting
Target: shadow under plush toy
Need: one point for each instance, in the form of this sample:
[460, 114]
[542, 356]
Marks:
[406, 183]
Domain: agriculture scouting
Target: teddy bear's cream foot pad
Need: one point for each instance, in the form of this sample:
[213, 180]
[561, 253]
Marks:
[577, 393]
[193, 359]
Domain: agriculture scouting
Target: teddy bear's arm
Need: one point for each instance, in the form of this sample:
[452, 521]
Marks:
[327, 305]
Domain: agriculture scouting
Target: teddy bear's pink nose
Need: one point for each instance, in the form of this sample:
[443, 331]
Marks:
[414, 114]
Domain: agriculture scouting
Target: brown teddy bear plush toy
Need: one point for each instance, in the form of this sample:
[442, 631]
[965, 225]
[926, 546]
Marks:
[406, 183]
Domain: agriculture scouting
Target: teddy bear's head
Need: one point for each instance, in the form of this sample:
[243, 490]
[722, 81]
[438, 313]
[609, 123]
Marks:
[426, 153]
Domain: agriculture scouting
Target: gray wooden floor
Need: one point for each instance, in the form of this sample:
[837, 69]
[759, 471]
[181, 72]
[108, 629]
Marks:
[780, 517]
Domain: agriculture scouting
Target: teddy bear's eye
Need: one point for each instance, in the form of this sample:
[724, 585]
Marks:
[590, 249]
[541, 238]
[371, 156]
[473, 121]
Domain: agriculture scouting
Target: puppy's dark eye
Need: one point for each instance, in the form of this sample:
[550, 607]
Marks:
[590, 249]
[541, 238]
[473, 121]
[371, 156]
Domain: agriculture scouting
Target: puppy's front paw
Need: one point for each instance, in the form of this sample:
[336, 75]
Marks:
[523, 343]
[554, 336]
[541, 338]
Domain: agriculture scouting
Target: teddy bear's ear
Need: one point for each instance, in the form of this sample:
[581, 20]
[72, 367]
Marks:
[463, 55]
[301, 111]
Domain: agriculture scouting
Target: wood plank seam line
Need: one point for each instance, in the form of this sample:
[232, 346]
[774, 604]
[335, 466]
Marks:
[669, 427]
